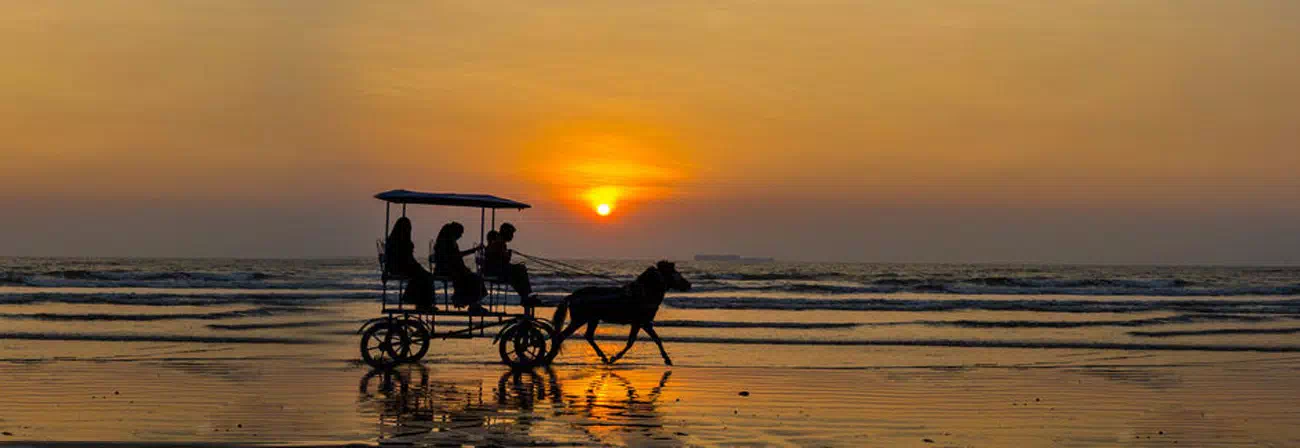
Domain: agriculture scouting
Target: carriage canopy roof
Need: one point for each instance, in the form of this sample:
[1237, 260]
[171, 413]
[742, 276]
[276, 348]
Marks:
[450, 199]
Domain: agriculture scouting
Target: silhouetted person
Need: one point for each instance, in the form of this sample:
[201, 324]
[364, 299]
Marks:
[449, 261]
[399, 259]
[496, 263]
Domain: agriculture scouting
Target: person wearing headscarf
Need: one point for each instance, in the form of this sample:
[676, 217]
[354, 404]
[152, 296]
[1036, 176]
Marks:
[399, 259]
[449, 261]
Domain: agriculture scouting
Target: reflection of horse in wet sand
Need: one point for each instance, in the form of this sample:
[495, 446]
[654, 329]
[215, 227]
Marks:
[635, 304]
[612, 407]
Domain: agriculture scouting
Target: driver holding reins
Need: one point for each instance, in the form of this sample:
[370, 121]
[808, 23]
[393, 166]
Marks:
[496, 263]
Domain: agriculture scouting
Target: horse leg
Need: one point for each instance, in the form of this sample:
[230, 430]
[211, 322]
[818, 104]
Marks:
[650, 330]
[631, 339]
[559, 339]
[591, 339]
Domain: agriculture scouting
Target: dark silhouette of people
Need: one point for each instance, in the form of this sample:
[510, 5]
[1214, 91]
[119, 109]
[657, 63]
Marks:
[449, 261]
[399, 260]
[497, 263]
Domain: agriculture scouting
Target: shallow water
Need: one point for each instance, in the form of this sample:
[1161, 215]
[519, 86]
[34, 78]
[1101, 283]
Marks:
[168, 358]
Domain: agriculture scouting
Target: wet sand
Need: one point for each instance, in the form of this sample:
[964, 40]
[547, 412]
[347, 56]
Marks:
[292, 378]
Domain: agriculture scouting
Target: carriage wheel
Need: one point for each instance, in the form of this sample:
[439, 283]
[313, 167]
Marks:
[420, 340]
[382, 344]
[526, 344]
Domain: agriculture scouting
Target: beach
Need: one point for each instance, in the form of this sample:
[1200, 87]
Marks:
[228, 352]
[990, 223]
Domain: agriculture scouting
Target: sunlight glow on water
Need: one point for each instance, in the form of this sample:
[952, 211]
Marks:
[233, 351]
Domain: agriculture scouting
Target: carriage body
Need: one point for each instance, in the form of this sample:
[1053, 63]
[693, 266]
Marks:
[403, 333]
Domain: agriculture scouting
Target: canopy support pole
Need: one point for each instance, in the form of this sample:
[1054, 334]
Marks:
[482, 218]
[388, 206]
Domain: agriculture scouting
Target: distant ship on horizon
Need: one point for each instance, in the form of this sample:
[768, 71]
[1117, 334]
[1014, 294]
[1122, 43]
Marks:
[733, 258]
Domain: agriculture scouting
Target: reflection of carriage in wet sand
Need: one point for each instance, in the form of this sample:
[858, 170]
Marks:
[405, 333]
[587, 407]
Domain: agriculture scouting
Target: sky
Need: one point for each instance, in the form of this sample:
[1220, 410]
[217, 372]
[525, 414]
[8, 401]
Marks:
[1073, 131]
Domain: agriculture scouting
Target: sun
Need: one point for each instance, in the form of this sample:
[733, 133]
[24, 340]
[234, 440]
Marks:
[603, 209]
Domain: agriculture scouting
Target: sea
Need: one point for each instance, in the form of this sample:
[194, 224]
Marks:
[98, 351]
[1161, 307]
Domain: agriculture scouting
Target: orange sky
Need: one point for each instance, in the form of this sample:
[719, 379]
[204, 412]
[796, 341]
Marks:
[681, 113]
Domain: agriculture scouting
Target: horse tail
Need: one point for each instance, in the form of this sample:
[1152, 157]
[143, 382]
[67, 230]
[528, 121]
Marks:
[561, 310]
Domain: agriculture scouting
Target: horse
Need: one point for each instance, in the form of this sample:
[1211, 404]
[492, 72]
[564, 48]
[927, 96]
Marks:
[634, 304]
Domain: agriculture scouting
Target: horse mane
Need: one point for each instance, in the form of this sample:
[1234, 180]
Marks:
[651, 276]
[648, 280]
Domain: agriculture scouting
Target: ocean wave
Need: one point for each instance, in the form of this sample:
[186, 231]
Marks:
[769, 276]
[812, 278]
[281, 325]
[1287, 290]
[1279, 306]
[1215, 331]
[1065, 288]
[122, 274]
[114, 276]
[1048, 282]
[143, 282]
[999, 286]
[734, 324]
[152, 338]
[981, 324]
[1169, 320]
[58, 317]
[168, 299]
[979, 343]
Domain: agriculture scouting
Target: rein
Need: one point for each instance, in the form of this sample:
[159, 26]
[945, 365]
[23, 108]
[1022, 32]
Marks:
[560, 266]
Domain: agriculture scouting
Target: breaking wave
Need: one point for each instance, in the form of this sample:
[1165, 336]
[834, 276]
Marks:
[1279, 306]
[982, 343]
[807, 278]
[1276, 306]
[168, 299]
[1169, 320]
[985, 286]
[731, 324]
[216, 315]
[281, 325]
[1216, 331]
[152, 338]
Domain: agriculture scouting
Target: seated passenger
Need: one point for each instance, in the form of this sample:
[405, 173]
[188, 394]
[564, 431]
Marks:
[399, 260]
[496, 263]
[449, 261]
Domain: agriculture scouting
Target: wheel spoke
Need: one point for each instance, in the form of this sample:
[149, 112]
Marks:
[526, 344]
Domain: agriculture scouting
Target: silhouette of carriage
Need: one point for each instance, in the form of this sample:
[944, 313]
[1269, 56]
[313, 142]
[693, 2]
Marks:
[404, 334]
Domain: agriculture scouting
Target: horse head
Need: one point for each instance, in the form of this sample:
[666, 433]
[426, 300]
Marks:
[672, 278]
[656, 280]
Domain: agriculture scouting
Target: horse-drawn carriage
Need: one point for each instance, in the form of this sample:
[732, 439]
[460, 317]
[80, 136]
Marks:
[405, 332]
